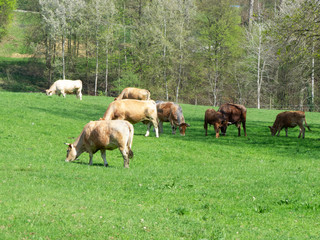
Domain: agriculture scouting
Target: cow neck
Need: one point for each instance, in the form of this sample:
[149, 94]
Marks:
[78, 144]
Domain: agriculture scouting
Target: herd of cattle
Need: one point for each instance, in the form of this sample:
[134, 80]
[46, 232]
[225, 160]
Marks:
[133, 105]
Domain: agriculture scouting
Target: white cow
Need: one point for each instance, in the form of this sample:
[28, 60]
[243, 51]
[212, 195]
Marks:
[103, 135]
[65, 87]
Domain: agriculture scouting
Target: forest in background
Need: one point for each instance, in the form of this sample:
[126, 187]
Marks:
[262, 54]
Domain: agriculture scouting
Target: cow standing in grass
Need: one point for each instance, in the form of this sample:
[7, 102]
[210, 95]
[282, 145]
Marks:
[134, 111]
[171, 112]
[103, 135]
[234, 114]
[66, 87]
[134, 93]
[214, 118]
[289, 119]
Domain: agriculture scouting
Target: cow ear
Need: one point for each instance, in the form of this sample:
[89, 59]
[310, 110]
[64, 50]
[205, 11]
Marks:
[69, 144]
[269, 127]
[188, 125]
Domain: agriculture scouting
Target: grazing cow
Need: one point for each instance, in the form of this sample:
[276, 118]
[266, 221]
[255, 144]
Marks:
[234, 114]
[134, 93]
[213, 118]
[65, 86]
[289, 119]
[103, 135]
[171, 112]
[134, 111]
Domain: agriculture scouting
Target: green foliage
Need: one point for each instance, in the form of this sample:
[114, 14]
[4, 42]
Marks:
[192, 187]
[6, 8]
[28, 5]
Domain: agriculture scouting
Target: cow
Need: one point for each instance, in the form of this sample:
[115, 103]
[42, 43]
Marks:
[171, 112]
[234, 114]
[66, 86]
[289, 119]
[214, 118]
[103, 135]
[134, 93]
[134, 111]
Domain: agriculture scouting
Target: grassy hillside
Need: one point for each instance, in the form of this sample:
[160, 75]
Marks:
[192, 187]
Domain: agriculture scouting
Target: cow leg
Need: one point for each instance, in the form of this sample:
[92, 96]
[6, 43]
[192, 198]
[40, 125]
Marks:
[244, 128]
[286, 129]
[216, 128]
[239, 129]
[91, 156]
[173, 129]
[103, 155]
[155, 126]
[79, 95]
[63, 94]
[302, 130]
[148, 129]
[279, 132]
[125, 157]
[161, 127]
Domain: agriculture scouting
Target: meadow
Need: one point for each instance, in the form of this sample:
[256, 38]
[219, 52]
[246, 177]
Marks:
[192, 187]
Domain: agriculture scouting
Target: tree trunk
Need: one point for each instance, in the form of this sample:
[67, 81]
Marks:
[63, 61]
[97, 68]
[180, 67]
[107, 71]
[312, 75]
[164, 60]
[251, 3]
[124, 34]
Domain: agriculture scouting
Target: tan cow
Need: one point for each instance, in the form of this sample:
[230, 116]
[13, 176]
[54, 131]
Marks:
[103, 135]
[134, 93]
[214, 118]
[289, 119]
[66, 87]
[134, 111]
[171, 112]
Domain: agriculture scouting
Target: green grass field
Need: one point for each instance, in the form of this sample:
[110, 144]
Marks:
[192, 187]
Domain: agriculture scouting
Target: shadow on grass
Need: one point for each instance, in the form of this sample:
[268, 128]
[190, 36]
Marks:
[86, 112]
[22, 75]
[258, 137]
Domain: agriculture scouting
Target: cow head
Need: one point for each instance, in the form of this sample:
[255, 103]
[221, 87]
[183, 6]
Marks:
[71, 153]
[224, 125]
[182, 128]
[273, 130]
[48, 92]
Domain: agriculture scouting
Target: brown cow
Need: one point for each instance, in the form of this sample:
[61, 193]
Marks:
[213, 118]
[134, 111]
[171, 112]
[103, 135]
[289, 119]
[134, 93]
[234, 114]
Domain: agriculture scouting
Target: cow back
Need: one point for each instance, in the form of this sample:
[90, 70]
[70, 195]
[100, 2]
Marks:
[131, 110]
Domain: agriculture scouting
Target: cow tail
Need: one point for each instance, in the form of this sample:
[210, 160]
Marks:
[305, 121]
[130, 139]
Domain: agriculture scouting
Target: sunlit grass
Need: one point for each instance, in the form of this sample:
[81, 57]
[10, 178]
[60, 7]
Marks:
[192, 187]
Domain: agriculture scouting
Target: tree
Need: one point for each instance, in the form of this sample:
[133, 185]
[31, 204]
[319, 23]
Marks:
[219, 34]
[6, 8]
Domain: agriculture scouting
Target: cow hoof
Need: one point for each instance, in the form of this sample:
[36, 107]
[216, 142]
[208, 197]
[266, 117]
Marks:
[106, 165]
